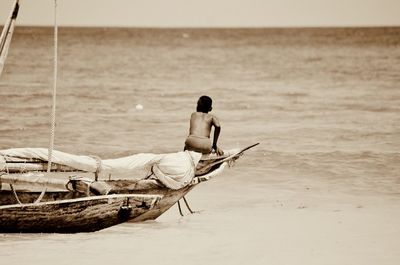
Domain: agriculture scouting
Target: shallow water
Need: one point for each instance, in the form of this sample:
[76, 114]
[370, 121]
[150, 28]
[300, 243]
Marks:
[323, 103]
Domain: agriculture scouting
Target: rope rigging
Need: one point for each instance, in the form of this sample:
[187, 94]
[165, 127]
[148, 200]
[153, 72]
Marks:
[53, 111]
[54, 93]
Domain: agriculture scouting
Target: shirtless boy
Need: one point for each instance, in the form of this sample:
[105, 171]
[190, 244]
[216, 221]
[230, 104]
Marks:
[200, 128]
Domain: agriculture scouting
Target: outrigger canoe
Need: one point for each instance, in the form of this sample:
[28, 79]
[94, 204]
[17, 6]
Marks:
[79, 203]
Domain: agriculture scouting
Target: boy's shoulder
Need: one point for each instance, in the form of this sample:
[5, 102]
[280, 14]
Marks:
[207, 115]
[203, 116]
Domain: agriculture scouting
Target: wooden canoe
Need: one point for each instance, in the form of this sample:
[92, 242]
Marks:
[163, 199]
[97, 212]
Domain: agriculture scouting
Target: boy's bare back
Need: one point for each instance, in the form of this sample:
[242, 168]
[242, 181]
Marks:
[201, 123]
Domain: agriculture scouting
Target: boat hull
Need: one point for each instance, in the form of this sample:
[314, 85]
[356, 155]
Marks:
[85, 214]
[167, 198]
[77, 208]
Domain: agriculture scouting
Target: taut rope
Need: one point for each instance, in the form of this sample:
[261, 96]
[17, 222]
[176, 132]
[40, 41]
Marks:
[53, 111]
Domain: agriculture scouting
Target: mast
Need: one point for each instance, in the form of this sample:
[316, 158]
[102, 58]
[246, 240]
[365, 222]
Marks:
[7, 33]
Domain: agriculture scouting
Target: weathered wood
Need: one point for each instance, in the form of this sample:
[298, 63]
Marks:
[168, 200]
[209, 164]
[67, 211]
[7, 197]
[169, 196]
[18, 167]
[74, 215]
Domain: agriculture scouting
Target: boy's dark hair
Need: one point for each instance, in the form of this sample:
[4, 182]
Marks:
[204, 104]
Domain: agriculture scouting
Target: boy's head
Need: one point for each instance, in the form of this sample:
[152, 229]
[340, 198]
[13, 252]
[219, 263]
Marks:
[204, 104]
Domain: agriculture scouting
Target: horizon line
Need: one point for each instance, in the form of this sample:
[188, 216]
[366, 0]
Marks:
[211, 27]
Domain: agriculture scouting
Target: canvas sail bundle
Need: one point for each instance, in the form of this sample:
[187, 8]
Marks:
[174, 170]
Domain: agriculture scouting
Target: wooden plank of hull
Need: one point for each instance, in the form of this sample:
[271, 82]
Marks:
[29, 167]
[166, 202]
[75, 215]
[7, 197]
[169, 196]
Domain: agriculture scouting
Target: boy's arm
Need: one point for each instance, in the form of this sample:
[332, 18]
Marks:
[217, 130]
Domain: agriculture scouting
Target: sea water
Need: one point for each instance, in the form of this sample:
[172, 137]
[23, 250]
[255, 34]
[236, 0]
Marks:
[324, 104]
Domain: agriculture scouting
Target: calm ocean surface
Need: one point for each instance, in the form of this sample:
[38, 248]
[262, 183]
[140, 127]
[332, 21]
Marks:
[323, 103]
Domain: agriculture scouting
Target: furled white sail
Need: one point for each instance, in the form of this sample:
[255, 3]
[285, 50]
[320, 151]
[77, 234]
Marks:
[7, 33]
[174, 170]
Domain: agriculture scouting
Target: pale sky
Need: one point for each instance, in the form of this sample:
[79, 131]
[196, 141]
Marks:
[207, 13]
